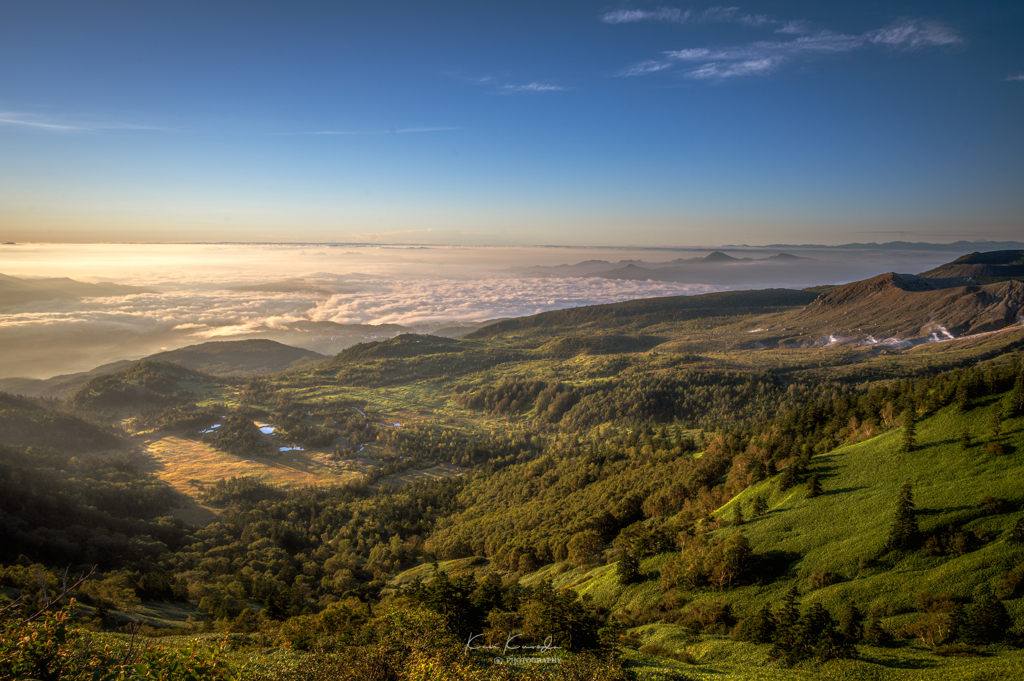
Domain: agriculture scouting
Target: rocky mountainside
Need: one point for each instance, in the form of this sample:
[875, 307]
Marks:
[985, 268]
[912, 309]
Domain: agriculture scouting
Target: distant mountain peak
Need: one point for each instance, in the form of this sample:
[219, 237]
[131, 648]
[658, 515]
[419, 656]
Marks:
[718, 256]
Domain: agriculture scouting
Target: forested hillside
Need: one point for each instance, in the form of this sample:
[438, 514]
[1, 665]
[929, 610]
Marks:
[664, 502]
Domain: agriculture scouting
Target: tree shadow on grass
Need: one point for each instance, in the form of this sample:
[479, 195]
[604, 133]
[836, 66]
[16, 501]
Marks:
[842, 490]
[771, 565]
[949, 509]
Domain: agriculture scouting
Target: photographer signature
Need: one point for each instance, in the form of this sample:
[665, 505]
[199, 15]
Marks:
[543, 647]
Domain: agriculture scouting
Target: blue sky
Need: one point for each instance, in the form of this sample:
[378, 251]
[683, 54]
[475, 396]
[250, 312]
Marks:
[515, 123]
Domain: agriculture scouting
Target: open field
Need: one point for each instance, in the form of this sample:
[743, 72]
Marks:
[189, 465]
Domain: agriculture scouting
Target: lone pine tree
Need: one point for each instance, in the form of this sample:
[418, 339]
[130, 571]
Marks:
[904, 531]
[1017, 397]
[813, 486]
[628, 569]
[909, 431]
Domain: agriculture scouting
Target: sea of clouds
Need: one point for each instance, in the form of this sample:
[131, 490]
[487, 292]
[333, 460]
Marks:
[205, 292]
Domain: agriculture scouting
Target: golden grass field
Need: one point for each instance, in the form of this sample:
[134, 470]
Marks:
[189, 465]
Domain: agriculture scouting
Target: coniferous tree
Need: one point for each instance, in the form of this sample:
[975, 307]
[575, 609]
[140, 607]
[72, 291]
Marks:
[787, 615]
[813, 486]
[760, 506]
[909, 431]
[1017, 397]
[791, 475]
[962, 400]
[987, 620]
[763, 627]
[904, 531]
[737, 514]
[628, 569]
[877, 635]
[852, 622]
[957, 624]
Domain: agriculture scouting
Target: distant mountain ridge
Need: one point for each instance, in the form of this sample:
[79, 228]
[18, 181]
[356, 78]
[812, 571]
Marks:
[219, 358]
[15, 290]
[987, 268]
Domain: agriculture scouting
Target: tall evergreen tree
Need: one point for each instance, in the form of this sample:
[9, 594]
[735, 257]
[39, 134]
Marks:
[737, 514]
[852, 622]
[962, 399]
[813, 486]
[1017, 397]
[628, 569]
[904, 531]
[996, 421]
[788, 610]
[877, 635]
[987, 619]
[909, 431]
[760, 506]
[957, 624]
[763, 627]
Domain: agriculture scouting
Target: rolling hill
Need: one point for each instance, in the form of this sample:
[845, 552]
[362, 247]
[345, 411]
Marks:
[637, 315]
[910, 309]
[986, 268]
[217, 358]
[242, 357]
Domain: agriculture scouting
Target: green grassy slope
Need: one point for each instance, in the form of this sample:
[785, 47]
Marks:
[832, 532]
[640, 314]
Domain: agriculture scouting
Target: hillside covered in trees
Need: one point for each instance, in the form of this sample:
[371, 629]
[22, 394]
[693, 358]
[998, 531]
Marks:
[637, 491]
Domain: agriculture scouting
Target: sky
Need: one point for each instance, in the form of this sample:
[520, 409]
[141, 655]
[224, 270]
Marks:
[577, 123]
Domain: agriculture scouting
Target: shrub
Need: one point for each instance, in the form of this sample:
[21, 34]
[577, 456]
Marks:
[684, 656]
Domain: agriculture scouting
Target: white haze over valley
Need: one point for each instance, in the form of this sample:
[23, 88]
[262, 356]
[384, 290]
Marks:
[195, 292]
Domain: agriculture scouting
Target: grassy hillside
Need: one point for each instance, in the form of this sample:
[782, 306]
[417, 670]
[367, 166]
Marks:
[637, 315]
[985, 268]
[244, 357]
[836, 548]
[654, 477]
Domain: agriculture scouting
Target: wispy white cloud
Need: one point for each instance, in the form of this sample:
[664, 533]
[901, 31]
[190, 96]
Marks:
[532, 87]
[12, 118]
[795, 27]
[646, 67]
[629, 16]
[678, 16]
[1019, 76]
[765, 56]
[732, 69]
[389, 131]
[27, 120]
[914, 33]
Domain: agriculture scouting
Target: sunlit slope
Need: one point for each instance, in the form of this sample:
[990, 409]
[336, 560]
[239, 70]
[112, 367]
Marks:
[146, 384]
[985, 268]
[842, 533]
[844, 530]
[651, 314]
[252, 356]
